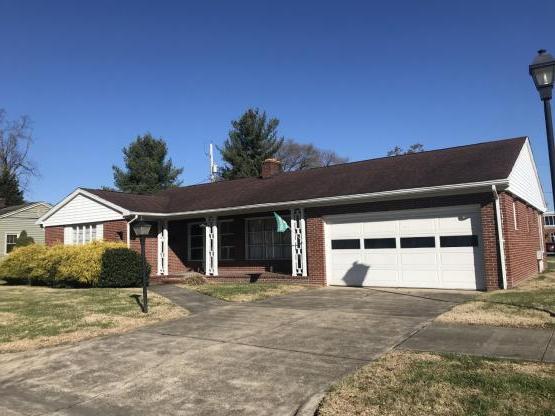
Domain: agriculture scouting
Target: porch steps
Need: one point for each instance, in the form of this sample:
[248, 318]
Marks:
[235, 277]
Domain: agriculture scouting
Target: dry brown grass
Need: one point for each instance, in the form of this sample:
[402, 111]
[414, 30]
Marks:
[246, 292]
[424, 384]
[522, 307]
[38, 317]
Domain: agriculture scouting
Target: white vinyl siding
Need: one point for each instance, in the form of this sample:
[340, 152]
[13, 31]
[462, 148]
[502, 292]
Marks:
[83, 234]
[82, 210]
[524, 181]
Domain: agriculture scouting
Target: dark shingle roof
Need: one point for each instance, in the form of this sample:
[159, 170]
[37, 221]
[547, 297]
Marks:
[14, 208]
[457, 165]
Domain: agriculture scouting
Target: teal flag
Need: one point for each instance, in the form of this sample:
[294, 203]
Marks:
[281, 224]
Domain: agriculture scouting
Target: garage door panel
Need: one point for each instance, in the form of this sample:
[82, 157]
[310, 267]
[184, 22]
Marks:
[381, 259]
[417, 226]
[422, 248]
[416, 259]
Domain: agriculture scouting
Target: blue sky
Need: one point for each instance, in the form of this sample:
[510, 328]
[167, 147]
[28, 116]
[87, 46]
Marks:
[355, 77]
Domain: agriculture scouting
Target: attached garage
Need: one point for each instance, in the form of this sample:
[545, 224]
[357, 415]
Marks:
[424, 248]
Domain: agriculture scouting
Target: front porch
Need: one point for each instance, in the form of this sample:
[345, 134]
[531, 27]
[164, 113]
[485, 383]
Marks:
[244, 247]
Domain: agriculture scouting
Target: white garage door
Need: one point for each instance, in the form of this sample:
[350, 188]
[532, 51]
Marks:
[429, 248]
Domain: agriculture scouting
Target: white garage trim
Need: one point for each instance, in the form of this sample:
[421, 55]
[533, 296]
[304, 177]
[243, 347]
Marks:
[438, 262]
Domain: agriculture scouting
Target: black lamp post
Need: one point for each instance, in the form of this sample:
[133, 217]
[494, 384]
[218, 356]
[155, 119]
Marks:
[141, 230]
[542, 70]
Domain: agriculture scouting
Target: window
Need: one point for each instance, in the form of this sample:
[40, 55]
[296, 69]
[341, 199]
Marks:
[264, 242]
[352, 244]
[552, 237]
[459, 241]
[377, 243]
[226, 240]
[196, 242]
[83, 234]
[418, 242]
[549, 220]
[11, 239]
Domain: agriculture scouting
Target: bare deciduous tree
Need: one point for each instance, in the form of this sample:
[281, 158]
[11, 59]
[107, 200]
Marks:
[15, 142]
[413, 148]
[299, 156]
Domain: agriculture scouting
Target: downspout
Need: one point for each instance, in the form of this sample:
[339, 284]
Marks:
[129, 231]
[499, 219]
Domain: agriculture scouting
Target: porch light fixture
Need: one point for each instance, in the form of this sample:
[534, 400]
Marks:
[141, 230]
[542, 70]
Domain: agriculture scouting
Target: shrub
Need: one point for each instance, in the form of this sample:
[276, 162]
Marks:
[29, 265]
[24, 240]
[121, 267]
[97, 264]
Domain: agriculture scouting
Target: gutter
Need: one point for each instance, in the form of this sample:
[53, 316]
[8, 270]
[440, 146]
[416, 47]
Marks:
[342, 199]
[129, 230]
[499, 220]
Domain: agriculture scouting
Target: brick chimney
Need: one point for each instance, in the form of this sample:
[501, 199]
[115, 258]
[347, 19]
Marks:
[270, 167]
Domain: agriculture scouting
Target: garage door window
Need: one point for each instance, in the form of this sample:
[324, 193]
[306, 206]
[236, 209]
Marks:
[352, 244]
[418, 242]
[378, 243]
[459, 241]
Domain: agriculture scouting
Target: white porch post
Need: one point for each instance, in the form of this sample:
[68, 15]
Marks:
[162, 247]
[211, 247]
[298, 242]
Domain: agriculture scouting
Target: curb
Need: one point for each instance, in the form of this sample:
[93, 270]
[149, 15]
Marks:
[309, 407]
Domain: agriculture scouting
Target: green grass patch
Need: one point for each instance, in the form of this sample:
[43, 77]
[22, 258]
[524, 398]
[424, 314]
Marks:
[406, 383]
[38, 316]
[246, 292]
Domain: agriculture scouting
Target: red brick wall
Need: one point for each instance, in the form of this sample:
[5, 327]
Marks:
[315, 249]
[490, 249]
[115, 231]
[521, 242]
[151, 247]
[54, 235]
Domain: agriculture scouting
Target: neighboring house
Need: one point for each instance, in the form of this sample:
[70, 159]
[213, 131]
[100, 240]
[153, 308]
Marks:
[17, 218]
[467, 217]
[549, 231]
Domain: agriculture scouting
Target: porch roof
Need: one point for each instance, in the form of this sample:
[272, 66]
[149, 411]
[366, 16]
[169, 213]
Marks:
[478, 163]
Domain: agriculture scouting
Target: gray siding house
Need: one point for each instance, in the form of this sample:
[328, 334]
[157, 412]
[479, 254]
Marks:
[15, 219]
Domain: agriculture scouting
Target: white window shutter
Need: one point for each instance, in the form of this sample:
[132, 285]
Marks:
[68, 235]
[100, 232]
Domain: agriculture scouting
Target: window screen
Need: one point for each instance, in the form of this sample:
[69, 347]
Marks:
[418, 242]
[459, 241]
[377, 243]
[351, 244]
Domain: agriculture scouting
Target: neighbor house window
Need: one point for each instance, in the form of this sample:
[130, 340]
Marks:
[11, 239]
[83, 234]
[264, 242]
[549, 220]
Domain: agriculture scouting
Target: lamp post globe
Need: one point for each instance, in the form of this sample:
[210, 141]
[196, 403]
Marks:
[142, 230]
[542, 70]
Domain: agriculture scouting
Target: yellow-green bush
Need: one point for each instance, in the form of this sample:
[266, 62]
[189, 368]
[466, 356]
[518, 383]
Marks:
[95, 264]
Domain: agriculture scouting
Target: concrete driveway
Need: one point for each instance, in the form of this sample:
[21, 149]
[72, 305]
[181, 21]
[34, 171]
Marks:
[262, 358]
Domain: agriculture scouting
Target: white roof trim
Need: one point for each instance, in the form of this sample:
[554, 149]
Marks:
[463, 187]
[46, 204]
[72, 195]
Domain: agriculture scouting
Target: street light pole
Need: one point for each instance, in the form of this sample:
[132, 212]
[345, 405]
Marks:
[541, 70]
[550, 142]
[145, 282]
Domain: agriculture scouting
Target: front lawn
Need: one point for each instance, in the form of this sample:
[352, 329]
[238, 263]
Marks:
[34, 317]
[245, 292]
[528, 305]
[406, 383]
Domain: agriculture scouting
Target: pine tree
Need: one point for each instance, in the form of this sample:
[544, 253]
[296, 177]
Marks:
[147, 169]
[252, 139]
[24, 240]
[9, 189]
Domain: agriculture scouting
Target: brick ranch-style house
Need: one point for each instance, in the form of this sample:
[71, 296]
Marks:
[467, 217]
